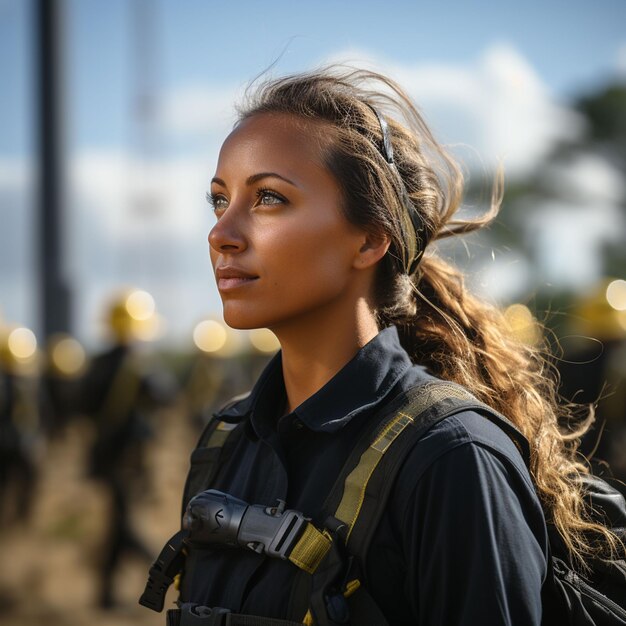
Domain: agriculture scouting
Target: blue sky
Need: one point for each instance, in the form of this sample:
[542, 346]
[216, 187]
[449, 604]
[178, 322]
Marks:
[571, 45]
[498, 77]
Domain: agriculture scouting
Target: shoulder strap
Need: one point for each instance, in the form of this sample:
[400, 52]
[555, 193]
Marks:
[213, 448]
[362, 490]
[375, 461]
[360, 495]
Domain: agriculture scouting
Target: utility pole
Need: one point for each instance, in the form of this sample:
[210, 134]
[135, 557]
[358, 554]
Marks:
[54, 299]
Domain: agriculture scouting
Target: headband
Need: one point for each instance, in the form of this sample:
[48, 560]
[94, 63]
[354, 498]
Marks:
[416, 218]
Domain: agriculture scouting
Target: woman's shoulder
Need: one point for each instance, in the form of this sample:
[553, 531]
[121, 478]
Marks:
[469, 429]
[468, 442]
[235, 409]
[470, 467]
[465, 441]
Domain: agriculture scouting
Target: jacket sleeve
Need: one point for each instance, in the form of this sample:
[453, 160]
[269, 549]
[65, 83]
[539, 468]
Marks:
[474, 537]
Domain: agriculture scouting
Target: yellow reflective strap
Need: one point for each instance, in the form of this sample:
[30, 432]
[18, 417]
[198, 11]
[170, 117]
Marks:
[392, 430]
[310, 549]
[356, 482]
[220, 435]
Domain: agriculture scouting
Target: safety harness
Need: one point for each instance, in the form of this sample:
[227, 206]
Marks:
[333, 558]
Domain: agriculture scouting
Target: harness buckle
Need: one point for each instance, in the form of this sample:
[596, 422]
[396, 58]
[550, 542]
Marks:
[287, 533]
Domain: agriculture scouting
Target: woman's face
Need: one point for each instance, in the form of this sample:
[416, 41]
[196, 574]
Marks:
[281, 248]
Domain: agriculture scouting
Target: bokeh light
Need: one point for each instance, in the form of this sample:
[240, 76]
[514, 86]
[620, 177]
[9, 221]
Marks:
[264, 340]
[140, 305]
[210, 336]
[616, 294]
[22, 343]
[523, 324]
[68, 356]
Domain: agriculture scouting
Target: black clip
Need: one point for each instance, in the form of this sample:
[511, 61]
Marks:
[288, 532]
[157, 585]
[198, 615]
[162, 573]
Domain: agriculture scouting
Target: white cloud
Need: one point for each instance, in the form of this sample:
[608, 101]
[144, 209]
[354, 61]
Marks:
[569, 239]
[569, 234]
[496, 105]
[492, 109]
[133, 196]
[504, 279]
[586, 179]
[109, 242]
[15, 174]
[198, 109]
[144, 224]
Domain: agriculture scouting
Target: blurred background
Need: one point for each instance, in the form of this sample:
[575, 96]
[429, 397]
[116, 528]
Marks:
[112, 350]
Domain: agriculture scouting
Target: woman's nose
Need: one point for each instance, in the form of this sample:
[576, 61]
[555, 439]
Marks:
[226, 236]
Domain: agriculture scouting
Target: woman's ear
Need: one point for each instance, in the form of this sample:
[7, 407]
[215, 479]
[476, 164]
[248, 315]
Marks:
[372, 250]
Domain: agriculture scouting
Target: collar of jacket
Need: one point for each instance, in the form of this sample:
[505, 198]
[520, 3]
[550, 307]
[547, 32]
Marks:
[358, 387]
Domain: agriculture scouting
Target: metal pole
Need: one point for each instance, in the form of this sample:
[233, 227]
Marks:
[54, 292]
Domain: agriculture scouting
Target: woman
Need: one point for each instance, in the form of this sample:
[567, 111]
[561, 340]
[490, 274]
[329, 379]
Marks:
[327, 208]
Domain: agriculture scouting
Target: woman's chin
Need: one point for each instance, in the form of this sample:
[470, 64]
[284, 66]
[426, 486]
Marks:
[241, 319]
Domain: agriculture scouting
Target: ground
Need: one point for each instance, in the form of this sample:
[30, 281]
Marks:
[49, 563]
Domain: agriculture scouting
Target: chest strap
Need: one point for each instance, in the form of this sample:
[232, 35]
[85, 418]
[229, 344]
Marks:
[214, 517]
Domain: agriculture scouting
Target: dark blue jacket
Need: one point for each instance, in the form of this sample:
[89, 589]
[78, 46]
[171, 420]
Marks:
[462, 542]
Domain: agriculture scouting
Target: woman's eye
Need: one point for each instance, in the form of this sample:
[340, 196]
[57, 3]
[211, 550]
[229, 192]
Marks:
[269, 197]
[217, 201]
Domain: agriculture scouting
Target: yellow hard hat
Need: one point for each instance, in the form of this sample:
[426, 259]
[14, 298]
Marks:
[132, 315]
[18, 349]
[601, 312]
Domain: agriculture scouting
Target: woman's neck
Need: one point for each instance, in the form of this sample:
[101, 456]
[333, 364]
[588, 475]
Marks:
[312, 355]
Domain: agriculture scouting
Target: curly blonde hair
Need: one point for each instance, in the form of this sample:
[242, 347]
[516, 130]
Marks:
[458, 336]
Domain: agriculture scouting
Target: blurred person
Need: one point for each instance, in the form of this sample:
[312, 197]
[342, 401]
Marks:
[61, 379]
[20, 432]
[223, 366]
[119, 392]
[592, 371]
[327, 210]
[215, 374]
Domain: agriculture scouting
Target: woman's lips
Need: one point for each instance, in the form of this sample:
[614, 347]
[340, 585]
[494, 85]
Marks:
[226, 284]
[229, 278]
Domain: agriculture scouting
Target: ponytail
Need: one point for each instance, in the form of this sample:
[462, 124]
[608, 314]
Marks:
[464, 339]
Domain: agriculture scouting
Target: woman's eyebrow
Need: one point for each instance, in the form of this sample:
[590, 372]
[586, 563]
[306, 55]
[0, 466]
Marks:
[218, 181]
[255, 178]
